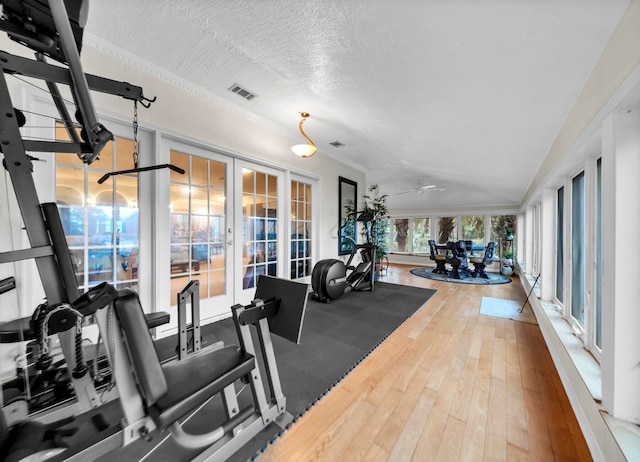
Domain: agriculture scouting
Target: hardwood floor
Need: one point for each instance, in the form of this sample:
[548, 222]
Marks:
[448, 385]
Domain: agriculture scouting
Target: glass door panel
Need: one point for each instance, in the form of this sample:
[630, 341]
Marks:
[301, 225]
[199, 247]
[259, 226]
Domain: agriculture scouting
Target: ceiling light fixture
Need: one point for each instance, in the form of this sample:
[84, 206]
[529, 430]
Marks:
[304, 150]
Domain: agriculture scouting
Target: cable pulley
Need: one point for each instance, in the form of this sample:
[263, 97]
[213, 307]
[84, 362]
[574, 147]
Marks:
[136, 153]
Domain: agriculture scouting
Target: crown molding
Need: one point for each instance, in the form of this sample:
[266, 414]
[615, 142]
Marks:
[160, 73]
[119, 54]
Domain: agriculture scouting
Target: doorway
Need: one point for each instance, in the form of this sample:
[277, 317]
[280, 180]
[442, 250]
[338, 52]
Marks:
[224, 230]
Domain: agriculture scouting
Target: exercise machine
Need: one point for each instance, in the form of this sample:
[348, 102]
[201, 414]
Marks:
[140, 398]
[332, 278]
[53, 29]
[155, 398]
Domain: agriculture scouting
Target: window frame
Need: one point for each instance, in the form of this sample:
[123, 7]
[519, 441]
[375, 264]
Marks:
[577, 327]
[560, 246]
[597, 248]
[433, 227]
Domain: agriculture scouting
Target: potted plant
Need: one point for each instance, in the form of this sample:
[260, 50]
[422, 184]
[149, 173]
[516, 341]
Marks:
[506, 270]
[508, 233]
[377, 230]
[507, 258]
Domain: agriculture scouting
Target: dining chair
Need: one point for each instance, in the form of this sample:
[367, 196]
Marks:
[437, 257]
[480, 262]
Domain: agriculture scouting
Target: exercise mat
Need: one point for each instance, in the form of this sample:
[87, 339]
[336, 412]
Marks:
[336, 337]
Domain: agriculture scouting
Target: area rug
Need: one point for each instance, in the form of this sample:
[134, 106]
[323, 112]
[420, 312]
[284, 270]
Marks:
[493, 278]
[509, 309]
[336, 337]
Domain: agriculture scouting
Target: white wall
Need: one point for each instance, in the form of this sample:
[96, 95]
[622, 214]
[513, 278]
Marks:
[610, 75]
[600, 122]
[194, 116]
[197, 116]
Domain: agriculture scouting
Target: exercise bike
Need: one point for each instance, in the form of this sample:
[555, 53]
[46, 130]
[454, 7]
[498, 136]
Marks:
[329, 279]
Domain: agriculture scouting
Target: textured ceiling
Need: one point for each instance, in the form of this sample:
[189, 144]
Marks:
[467, 95]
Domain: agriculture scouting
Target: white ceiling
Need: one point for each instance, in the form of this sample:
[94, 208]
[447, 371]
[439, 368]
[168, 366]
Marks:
[464, 94]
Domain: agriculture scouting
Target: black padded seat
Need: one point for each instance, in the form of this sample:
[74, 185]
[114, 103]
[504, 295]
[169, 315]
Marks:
[192, 382]
[174, 389]
[156, 319]
[438, 258]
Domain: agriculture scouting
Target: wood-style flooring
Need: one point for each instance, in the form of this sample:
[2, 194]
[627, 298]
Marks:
[448, 385]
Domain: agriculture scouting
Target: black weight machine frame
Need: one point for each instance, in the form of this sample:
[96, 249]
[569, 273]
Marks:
[48, 245]
[41, 221]
[53, 29]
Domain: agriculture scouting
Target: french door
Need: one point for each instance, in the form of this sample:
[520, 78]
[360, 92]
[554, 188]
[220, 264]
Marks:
[224, 230]
[198, 242]
[219, 223]
[259, 224]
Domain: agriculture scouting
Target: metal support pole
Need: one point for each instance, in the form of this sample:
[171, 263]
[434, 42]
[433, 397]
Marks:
[529, 294]
[19, 166]
[97, 135]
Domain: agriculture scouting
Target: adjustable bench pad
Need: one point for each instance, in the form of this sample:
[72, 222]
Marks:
[156, 319]
[176, 388]
[194, 380]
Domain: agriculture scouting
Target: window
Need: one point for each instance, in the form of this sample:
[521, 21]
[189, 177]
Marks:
[410, 235]
[560, 246]
[421, 235]
[577, 248]
[499, 226]
[535, 265]
[400, 235]
[473, 229]
[447, 230]
[300, 229]
[100, 221]
[197, 221]
[598, 254]
[380, 236]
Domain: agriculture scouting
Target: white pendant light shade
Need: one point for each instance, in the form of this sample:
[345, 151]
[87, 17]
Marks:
[304, 150]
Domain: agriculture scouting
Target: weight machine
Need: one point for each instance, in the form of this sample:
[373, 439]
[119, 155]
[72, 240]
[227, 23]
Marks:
[53, 30]
[148, 399]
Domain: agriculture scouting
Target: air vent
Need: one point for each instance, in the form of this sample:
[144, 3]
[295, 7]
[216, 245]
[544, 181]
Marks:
[336, 144]
[238, 90]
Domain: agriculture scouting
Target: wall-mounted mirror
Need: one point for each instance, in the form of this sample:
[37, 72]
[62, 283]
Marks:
[347, 207]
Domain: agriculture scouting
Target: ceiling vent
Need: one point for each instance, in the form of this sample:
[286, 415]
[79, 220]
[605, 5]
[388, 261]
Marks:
[336, 144]
[238, 90]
